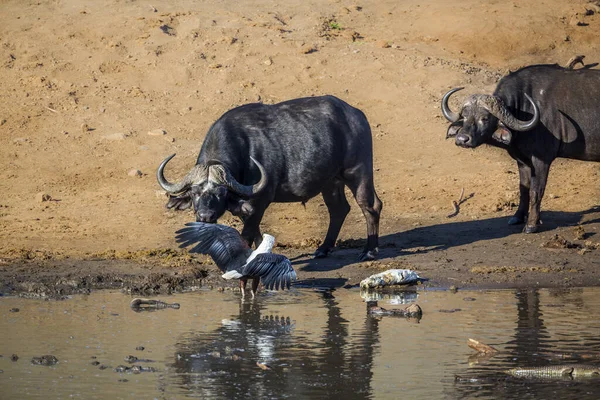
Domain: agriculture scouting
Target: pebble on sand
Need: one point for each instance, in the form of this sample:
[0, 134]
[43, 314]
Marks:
[157, 132]
[41, 197]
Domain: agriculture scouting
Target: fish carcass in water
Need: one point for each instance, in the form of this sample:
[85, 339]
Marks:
[390, 277]
[556, 371]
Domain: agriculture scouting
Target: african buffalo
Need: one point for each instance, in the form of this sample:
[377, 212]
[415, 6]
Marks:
[257, 154]
[537, 114]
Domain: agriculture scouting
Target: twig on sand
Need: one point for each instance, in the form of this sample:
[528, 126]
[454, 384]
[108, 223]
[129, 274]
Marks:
[50, 109]
[573, 61]
[456, 204]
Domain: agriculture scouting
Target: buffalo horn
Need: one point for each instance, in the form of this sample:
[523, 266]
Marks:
[496, 107]
[221, 175]
[198, 174]
[449, 114]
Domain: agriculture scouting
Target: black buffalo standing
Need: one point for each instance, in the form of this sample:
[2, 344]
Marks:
[257, 154]
[537, 114]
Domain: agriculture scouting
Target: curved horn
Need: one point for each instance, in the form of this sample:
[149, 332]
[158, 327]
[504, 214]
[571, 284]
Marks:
[197, 174]
[449, 114]
[496, 107]
[220, 174]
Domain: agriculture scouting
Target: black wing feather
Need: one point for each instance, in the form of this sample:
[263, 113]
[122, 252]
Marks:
[223, 243]
[274, 270]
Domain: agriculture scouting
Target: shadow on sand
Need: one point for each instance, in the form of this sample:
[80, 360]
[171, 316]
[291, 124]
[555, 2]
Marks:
[426, 239]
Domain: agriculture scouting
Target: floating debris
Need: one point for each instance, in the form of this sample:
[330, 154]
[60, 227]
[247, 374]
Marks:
[44, 360]
[138, 305]
[481, 347]
[135, 369]
[264, 367]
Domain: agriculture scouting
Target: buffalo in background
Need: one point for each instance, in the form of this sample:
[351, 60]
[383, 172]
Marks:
[537, 114]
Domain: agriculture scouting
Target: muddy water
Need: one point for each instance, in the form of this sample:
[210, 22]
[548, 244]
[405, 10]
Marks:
[318, 344]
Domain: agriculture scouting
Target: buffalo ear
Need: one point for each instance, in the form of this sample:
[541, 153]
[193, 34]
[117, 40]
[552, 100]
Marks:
[453, 129]
[181, 202]
[502, 134]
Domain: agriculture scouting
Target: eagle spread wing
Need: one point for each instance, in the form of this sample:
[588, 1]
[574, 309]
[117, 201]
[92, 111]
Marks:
[275, 271]
[223, 243]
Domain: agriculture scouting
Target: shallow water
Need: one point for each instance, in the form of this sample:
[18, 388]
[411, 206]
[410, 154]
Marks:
[319, 344]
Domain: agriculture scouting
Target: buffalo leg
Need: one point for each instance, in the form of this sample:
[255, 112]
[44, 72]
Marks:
[368, 201]
[251, 229]
[539, 177]
[337, 204]
[524, 188]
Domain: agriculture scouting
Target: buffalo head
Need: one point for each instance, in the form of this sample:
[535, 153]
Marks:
[210, 188]
[483, 117]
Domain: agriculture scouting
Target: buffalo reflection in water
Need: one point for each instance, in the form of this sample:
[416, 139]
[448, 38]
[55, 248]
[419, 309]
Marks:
[223, 363]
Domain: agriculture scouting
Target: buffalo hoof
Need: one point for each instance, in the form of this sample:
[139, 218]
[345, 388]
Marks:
[368, 255]
[320, 253]
[530, 229]
[515, 221]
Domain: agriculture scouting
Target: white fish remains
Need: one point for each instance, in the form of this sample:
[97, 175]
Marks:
[390, 277]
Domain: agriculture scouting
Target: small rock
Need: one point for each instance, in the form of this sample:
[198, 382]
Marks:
[122, 368]
[215, 66]
[383, 44]
[157, 132]
[216, 354]
[268, 61]
[135, 173]
[115, 136]
[14, 309]
[308, 49]
[169, 139]
[131, 359]
[41, 197]
[14, 357]
[141, 348]
[95, 363]
[579, 232]
[85, 128]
